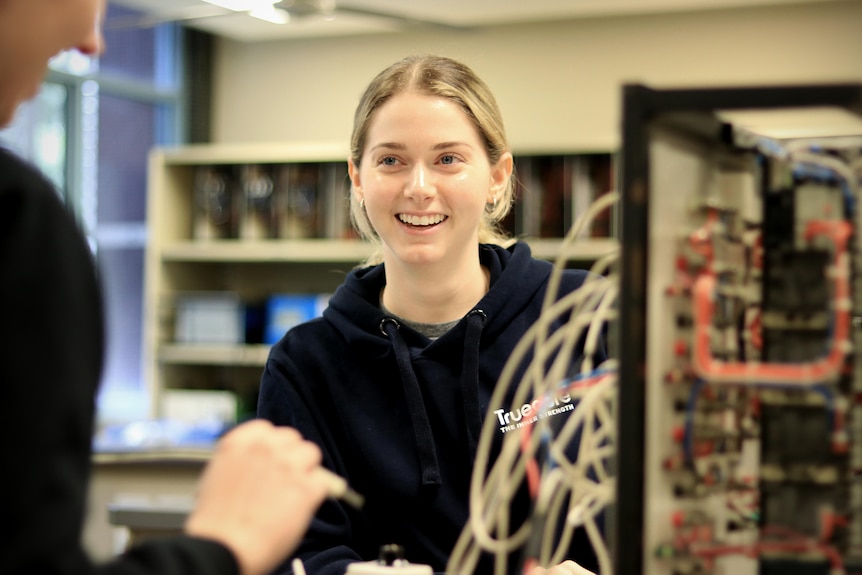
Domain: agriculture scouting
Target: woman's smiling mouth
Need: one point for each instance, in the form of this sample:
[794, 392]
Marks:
[421, 221]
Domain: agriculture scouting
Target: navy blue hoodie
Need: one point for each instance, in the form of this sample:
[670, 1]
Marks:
[399, 415]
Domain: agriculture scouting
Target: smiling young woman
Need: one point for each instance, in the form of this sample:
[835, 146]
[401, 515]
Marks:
[395, 380]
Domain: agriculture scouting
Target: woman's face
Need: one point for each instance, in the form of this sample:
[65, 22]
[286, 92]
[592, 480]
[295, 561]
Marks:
[425, 179]
[34, 31]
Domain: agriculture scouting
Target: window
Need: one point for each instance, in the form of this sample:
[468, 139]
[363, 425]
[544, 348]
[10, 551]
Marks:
[38, 132]
[90, 130]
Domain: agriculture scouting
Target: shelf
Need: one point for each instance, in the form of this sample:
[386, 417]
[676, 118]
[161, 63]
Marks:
[274, 251]
[583, 250]
[176, 455]
[243, 355]
[335, 251]
[253, 153]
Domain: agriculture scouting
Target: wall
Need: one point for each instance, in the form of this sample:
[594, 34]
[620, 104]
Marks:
[557, 83]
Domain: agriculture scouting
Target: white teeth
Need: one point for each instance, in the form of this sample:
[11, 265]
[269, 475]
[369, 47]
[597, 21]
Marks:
[421, 220]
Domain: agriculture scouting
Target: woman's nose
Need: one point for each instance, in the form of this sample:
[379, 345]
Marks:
[420, 184]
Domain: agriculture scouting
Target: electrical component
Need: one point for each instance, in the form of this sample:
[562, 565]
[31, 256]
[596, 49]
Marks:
[750, 385]
[725, 434]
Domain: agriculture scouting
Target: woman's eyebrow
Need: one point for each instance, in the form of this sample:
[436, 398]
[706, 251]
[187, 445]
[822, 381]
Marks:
[389, 146]
[445, 145]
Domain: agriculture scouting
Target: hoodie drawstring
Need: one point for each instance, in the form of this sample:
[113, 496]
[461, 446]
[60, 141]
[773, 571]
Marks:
[421, 424]
[470, 379]
[416, 405]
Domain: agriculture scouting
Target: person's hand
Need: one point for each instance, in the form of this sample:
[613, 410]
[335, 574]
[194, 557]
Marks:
[258, 494]
[565, 568]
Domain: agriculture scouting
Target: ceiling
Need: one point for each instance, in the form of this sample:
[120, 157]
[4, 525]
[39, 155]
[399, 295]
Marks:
[352, 16]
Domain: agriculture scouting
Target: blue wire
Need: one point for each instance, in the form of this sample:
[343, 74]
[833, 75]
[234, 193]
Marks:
[545, 450]
[581, 376]
[546, 438]
[830, 401]
[771, 147]
[688, 436]
[804, 170]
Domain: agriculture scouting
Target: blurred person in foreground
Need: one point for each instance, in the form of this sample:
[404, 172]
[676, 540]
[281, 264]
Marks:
[261, 488]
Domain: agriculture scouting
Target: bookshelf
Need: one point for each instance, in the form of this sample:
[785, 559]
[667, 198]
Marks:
[304, 252]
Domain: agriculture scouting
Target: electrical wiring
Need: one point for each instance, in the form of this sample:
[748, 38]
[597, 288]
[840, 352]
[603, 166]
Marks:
[584, 413]
[826, 369]
[820, 144]
[563, 342]
[522, 391]
[561, 445]
[697, 387]
[532, 465]
[712, 551]
[571, 332]
[502, 482]
[575, 421]
[756, 420]
[599, 546]
[556, 460]
[543, 323]
[588, 495]
[544, 360]
[579, 483]
[501, 503]
[549, 509]
[688, 437]
[599, 319]
[822, 167]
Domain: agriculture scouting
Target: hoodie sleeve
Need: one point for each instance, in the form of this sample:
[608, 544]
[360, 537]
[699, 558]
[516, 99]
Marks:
[326, 548]
[50, 360]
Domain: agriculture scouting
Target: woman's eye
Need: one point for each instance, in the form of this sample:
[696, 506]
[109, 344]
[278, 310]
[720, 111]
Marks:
[388, 161]
[448, 159]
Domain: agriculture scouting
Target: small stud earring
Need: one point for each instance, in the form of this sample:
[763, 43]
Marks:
[362, 203]
[492, 205]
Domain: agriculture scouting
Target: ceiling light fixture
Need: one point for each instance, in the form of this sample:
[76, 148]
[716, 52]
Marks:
[261, 9]
[243, 5]
[271, 14]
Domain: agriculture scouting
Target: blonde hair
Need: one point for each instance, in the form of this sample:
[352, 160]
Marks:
[446, 78]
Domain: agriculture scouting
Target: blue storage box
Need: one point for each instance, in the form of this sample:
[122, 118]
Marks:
[283, 311]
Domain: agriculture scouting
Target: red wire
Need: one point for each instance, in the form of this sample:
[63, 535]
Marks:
[532, 470]
[796, 543]
[532, 467]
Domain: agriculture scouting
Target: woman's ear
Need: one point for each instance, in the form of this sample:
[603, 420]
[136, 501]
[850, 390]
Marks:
[501, 172]
[355, 182]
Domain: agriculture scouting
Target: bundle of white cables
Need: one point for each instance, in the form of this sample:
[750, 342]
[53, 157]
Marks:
[583, 485]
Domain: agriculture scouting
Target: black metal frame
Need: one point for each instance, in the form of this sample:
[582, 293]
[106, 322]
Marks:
[692, 110]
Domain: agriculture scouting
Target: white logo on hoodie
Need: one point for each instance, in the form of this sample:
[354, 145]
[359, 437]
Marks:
[530, 413]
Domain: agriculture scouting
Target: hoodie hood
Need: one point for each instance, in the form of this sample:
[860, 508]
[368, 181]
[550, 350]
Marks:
[354, 310]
